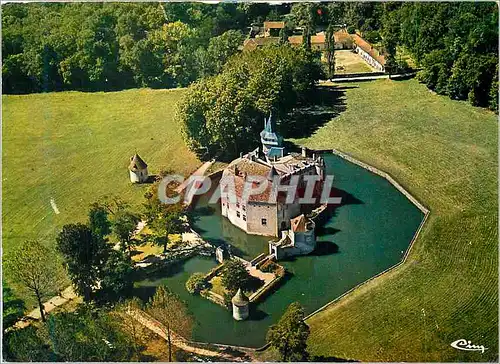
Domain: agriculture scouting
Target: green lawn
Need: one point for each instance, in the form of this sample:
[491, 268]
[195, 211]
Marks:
[445, 153]
[74, 147]
[347, 61]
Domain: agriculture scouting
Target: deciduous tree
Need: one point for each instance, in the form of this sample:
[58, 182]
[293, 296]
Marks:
[124, 226]
[168, 309]
[330, 50]
[89, 334]
[196, 283]
[289, 335]
[235, 276]
[84, 255]
[37, 269]
[125, 315]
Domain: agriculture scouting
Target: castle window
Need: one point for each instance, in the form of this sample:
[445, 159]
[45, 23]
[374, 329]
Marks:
[264, 222]
[243, 207]
[244, 218]
[237, 213]
[237, 205]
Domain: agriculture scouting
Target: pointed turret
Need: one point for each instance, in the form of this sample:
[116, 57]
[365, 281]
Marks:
[271, 141]
[240, 305]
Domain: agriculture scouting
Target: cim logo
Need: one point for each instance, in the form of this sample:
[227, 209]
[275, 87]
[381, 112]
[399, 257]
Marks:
[462, 344]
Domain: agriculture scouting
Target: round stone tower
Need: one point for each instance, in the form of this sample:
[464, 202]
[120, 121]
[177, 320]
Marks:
[240, 306]
[138, 169]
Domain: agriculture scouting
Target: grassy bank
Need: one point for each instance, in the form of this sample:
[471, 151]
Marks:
[445, 153]
[72, 148]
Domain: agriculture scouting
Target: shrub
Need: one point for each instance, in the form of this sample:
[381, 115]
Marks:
[196, 283]
[234, 276]
[351, 29]
[269, 268]
[371, 36]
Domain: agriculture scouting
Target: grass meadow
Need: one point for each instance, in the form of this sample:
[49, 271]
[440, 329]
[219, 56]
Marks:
[71, 148]
[445, 153]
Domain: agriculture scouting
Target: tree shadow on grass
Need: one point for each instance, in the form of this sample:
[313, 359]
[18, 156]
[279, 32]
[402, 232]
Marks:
[326, 103]
[330, 359]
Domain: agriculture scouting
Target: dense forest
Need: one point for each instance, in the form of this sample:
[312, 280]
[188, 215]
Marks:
[52, 47]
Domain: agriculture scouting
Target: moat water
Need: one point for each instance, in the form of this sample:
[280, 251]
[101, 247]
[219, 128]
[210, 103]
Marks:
[367, 234]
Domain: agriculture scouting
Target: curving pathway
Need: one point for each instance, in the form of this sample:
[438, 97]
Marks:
[230, 353]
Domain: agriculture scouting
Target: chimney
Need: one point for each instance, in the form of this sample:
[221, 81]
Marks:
[241, 154]
[304, 152]
[314, 156]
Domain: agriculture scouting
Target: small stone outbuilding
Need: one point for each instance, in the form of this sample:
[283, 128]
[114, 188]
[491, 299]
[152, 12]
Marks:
[138, 169]
[240, 306]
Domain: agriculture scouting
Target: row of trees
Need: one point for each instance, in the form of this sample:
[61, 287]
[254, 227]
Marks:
[457, 45]
[101, 329]
[226, 111]
[51, 47]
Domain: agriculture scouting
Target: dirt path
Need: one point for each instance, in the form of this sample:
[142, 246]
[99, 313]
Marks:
[227, 352]
[67, 295]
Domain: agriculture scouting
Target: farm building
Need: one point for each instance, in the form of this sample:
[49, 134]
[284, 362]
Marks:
[369, 53]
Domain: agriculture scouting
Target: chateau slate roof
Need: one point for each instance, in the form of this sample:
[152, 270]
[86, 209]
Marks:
[136, 163]
[240, 299]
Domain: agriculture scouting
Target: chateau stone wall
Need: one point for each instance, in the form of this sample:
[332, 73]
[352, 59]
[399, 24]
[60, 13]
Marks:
[255, 214]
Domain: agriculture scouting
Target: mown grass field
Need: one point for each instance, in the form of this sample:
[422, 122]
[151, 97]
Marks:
[74, 147]
[445, 153]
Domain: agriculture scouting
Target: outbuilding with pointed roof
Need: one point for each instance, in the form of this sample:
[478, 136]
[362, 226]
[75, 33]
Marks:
[138, 169]
[240, 305]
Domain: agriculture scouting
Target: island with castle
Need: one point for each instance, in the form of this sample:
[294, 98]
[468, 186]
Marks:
[270, 212]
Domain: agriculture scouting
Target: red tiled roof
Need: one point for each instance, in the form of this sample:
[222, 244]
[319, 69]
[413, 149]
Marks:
[342, 36]
[368, 48]
[240, 168]
[295, 39]
[274, 24]
[315, 39]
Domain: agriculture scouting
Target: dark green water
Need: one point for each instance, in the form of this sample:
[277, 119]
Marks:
[367, 234]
